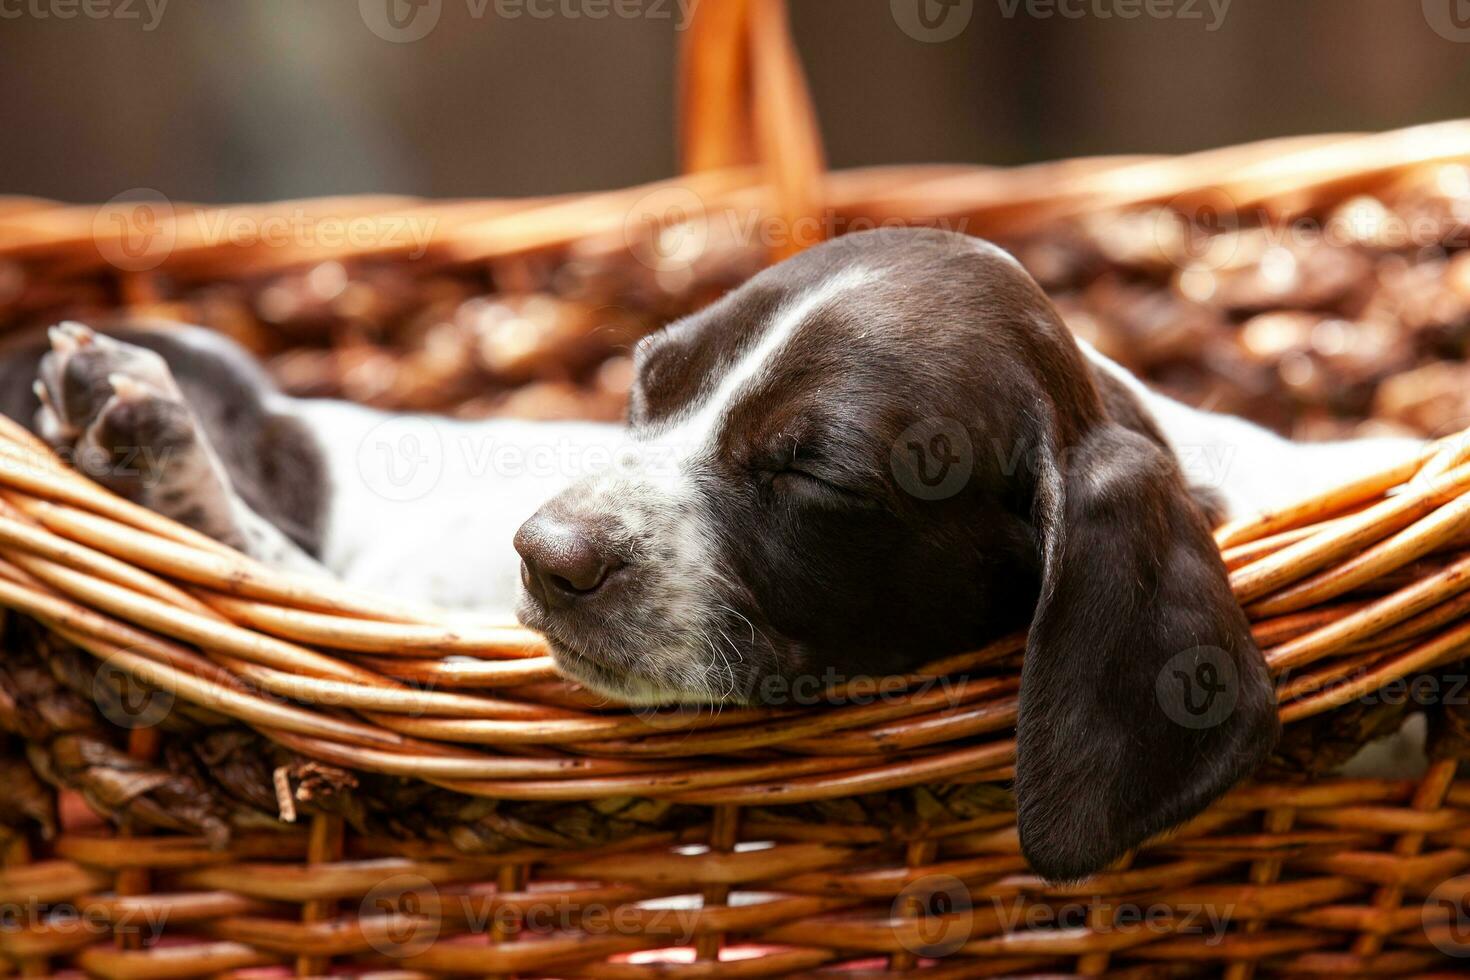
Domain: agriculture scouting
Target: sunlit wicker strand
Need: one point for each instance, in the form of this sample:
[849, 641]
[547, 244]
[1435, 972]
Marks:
[464, 672]
[228, 700]
[798, 726]
[407, 639]
[1448, 646]
[33, 542]
[1375, 618]
[1347, 536]
[1321, 506]
[213, 567]
[1423, 536]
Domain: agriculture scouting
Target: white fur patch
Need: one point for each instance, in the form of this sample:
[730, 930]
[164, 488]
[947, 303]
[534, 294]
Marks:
[424, 508]
[655, 497]
[1253, 469]
[698, 429]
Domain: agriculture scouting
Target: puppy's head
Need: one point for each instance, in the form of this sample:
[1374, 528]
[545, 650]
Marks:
[884, 450]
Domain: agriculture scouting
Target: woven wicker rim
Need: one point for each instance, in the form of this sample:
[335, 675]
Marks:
[218, 630]
[1277, 179]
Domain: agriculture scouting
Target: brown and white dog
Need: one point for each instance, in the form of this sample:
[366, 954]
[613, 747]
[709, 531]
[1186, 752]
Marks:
[884, 450]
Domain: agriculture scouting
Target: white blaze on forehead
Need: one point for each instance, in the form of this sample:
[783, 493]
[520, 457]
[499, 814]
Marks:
[656, 499]
[700, 427]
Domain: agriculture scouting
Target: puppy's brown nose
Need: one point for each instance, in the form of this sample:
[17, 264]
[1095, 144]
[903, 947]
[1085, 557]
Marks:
[563, 560]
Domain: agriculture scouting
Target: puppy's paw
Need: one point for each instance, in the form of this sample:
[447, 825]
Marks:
[75, 380]
[112, 408]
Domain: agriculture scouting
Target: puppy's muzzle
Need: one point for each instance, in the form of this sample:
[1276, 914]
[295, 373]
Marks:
[565, 561]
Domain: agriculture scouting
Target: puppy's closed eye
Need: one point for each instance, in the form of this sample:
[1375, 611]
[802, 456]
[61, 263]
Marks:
[803, 484]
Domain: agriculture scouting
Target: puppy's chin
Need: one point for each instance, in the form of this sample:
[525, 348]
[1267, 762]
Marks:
[657, 673]
[619, 685]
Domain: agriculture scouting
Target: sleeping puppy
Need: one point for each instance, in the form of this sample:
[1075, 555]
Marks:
[886, 449]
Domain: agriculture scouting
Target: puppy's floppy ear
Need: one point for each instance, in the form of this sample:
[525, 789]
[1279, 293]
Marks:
[1143, 695]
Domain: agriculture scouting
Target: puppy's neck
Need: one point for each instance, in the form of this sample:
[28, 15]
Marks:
[1250, 468]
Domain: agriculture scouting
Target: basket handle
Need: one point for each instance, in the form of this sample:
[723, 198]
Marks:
[743, 100]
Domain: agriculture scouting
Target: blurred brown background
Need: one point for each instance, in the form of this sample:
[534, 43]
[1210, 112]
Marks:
[270, 99]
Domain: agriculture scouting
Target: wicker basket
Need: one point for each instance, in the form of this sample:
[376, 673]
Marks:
[541, 833]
